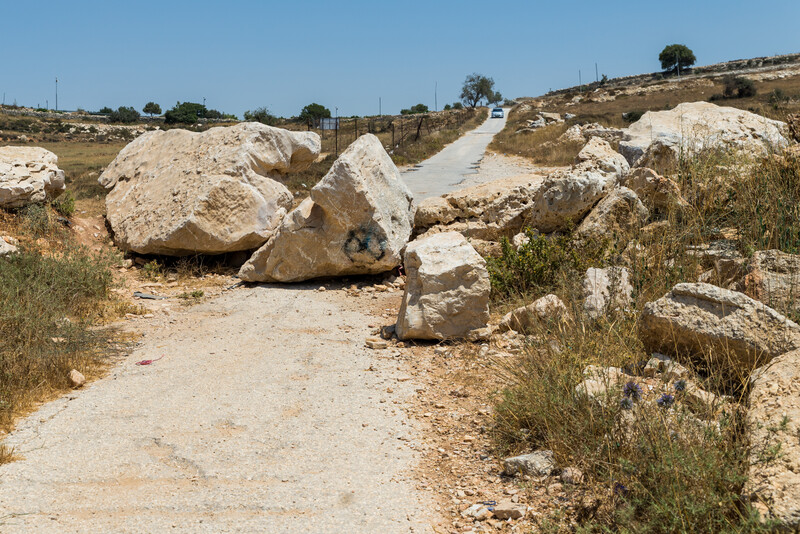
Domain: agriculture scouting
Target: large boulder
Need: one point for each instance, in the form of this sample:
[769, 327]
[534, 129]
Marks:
[447, 289]
[177, 192]
[705, 320]
[28, 175]
[773, 422]
[486, 211]
[356, 221]
[565, 197]
[618, 213]
[773, 277]
[524, 318]
[694, 126]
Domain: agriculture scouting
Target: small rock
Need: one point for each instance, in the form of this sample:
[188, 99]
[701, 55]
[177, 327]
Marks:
[571, 475]
[76, 378]
[539, 463]
[376, 343]
[509, 510]
[387, 332]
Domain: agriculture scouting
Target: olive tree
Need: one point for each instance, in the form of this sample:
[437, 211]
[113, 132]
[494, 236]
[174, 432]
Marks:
[478, 88]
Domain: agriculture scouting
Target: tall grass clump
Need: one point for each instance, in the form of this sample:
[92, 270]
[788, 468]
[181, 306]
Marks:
[47, 303]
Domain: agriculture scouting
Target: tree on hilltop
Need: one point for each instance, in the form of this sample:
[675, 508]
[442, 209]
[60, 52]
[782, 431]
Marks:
[152, 108]
[477, 88]
[676, 56]
[261, 115]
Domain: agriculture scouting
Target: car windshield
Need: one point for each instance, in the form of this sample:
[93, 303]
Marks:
[497, 109]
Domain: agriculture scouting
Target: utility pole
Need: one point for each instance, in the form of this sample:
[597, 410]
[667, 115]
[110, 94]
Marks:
[596, 73]
[56, 93]
[678, 61]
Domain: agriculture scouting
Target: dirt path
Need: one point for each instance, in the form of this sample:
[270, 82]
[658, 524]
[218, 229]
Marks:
[266, 414]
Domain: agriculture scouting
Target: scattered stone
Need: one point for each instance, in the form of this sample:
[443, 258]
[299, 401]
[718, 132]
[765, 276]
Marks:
[388, 332]
[376, 343]
[447, 289]
[177, 192]
[571, 475]
[7, 248]
[356, 221]
[598, 154]
[701, 319]
[546, 308]
[538, 464]
[28, 175]
[76, 378]
[509, 510]
[605, 290]
[147, 296]
[599, 381]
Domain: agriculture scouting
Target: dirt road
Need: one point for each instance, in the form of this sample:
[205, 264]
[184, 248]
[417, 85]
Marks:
[449, 169]
[266, 414]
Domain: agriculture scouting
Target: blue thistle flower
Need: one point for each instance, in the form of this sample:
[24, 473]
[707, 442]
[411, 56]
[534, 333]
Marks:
[680, 385]
[626, 403]
[620, 489]
[632, 390]
[666, 400]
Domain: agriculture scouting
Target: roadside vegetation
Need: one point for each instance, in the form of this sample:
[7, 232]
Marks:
[661, 467]
[52, 294]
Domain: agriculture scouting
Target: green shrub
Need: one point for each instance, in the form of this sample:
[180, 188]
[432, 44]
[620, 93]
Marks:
[738, 87]
[413, 110]
[261, 115]
[124, 114]
[633, 116]
[64, 204]
[105, 110]
[36, 220]
[185, 113]
[538, 265]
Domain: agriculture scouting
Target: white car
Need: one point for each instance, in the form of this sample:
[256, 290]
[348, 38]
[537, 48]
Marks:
[497, 113]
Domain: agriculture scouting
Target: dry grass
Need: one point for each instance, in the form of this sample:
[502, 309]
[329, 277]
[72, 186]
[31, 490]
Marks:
[541, 145]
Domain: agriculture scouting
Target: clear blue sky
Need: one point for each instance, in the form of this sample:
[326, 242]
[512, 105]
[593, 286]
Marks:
[241, 54]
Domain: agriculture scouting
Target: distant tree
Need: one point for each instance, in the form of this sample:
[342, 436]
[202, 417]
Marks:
[185, 113]
[458, 105]
[124, 114]
[447, 107]
[261, 115]
[494, 98]
[419, 108]
[105, 110]
[314, 112]
[604, 80]
[676, 56]
[476, 89]
[152, 108]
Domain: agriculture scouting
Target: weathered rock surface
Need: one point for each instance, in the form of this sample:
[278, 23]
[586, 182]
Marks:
[694, 126]
[605, 290]
[655, 191]
[447, 289]
[486, 211]
[76, 378]
[565, 197]
[599, 381]
[28, 175]
[6, 247]
[356, 221]
[701, 319]
[618, 213]
[538, 464]
[774, 421]
[177, 192]
[598, 154]
[773, 277]
[584, 132]
[523, 318]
